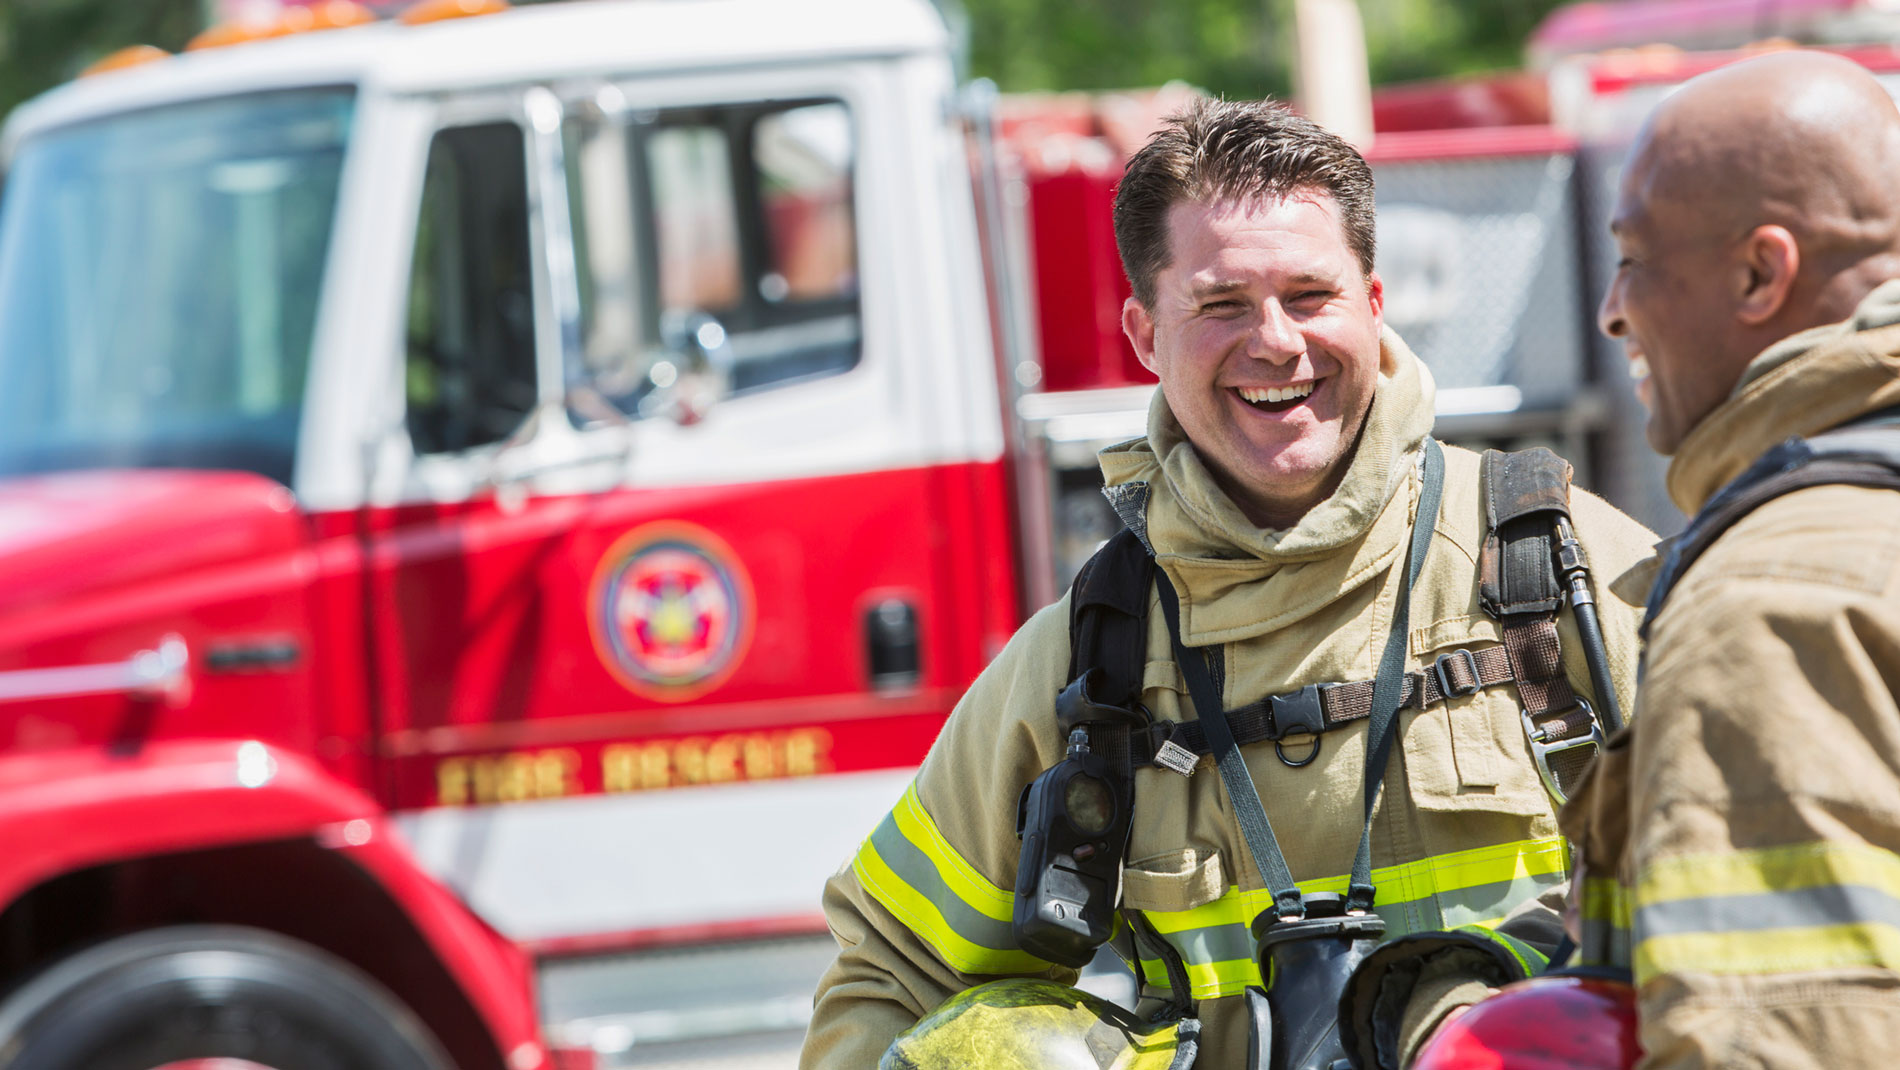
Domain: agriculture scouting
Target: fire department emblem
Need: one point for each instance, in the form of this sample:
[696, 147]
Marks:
[671, 610]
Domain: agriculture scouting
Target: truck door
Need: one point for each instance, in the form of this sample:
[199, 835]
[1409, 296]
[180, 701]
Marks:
[678, 594]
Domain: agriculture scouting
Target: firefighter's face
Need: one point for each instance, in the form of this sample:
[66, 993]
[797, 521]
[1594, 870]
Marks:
[1265, 335]
[1669, 304]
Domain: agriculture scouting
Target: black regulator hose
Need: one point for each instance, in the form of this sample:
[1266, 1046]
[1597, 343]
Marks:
[1576, 572]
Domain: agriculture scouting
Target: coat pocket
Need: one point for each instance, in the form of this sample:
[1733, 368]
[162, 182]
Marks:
[1174, 881]
[1469, 754]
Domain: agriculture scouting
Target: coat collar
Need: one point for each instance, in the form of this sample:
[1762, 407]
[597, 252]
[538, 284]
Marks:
[1802, 385]
[1211, 551]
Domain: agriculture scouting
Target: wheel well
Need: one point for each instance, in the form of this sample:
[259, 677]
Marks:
[292, 887]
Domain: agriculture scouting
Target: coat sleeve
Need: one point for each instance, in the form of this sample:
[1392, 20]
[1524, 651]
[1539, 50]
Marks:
[1764, 805]
[1405, 991]
[923, 910]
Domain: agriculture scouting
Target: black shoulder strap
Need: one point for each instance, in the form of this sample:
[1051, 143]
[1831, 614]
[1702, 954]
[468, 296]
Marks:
[1108, 647]
[1865, 453]
[1524, 492]
[1108, 610]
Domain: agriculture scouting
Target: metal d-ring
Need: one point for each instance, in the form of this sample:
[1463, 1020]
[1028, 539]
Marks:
[1279, 748]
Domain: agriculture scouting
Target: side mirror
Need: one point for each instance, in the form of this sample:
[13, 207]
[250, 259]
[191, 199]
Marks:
[694, 372]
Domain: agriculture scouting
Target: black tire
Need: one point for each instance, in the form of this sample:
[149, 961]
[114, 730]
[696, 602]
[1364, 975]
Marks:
[208, 992]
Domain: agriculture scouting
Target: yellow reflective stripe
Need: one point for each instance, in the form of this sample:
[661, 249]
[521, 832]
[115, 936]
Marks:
[1762, 951]
[961, 877]
[1768, 869]
[1211, 937]
[1790, 909]
[1606, 900]
[907, 865]
[1529, 960]
[1227, 977]
[1496, 864]
[924, 918]
[1207, 980]
[1486, 865]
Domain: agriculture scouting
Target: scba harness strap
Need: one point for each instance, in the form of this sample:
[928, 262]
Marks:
[1527, 561]
[1529, 555]
[1527, 541]
[1864, 453]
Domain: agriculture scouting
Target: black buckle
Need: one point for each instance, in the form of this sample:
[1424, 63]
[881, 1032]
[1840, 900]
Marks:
[1077, 706]
[1542, 746]
[1445, 688]
[1296, 713]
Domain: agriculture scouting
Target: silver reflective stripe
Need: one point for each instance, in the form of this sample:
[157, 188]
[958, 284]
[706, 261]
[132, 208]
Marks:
[1216, 943]
[1826, 904]
[1489, 902]
[915, 869]
[1603, 944]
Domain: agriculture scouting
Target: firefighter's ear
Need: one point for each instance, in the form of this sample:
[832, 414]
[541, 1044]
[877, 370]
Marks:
[1139, 326]
[1770, 261]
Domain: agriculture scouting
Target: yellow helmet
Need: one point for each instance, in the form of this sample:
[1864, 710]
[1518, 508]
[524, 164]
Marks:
[1039, 1025]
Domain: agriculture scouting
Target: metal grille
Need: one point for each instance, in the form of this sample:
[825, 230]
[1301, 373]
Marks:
[1480, 264]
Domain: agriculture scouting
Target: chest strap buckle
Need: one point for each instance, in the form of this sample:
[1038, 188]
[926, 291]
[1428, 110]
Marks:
[1559, 755]
[1450, 685]
[1297, 713]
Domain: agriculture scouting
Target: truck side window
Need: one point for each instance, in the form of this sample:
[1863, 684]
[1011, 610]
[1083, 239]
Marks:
[470, 375]
[695, 219]
[803, 157]
[741, 211]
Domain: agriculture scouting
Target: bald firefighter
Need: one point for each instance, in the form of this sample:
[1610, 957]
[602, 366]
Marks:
[1740, 841]
[1303, 560]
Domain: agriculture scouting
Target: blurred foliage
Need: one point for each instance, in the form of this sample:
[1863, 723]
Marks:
[1235, 47]
[1240, 48]
[46, 42]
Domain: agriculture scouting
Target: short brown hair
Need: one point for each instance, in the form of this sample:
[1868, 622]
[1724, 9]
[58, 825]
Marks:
[1221, 150]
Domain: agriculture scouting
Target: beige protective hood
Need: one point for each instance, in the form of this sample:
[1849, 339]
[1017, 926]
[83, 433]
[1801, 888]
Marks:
[1802, 385]
[1207, 546]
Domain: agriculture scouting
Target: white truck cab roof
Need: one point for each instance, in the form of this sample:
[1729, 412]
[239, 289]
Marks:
[530, 44]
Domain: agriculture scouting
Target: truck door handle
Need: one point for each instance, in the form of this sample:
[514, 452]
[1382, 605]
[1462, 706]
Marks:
[891, 647]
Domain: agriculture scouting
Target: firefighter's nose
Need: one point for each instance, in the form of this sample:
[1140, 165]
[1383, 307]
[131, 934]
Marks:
[1610, 313]
[1278, 338]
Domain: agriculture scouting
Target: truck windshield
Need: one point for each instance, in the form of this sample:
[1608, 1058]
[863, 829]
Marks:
[159, 280]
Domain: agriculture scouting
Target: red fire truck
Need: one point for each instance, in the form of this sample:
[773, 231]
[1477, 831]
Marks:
[478, 492]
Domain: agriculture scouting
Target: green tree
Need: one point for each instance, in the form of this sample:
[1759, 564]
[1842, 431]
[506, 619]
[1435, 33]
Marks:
[1235, 47]
[1239, 48]
[1228, 46]
[46, 42]
[1408, 39]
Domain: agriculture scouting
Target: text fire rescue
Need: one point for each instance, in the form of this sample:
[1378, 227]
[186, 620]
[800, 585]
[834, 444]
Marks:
[518, 776]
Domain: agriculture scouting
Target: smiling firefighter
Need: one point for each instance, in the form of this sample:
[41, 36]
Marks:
[1320, 693]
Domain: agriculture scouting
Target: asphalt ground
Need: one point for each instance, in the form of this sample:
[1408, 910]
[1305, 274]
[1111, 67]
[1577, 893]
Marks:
[724, 1007]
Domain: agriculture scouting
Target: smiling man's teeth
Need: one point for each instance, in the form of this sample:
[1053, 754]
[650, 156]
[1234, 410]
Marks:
[1274, 393]
[1639, 368]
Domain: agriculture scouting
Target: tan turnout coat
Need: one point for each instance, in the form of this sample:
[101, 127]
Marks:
[1465, 832]
[1740, 840]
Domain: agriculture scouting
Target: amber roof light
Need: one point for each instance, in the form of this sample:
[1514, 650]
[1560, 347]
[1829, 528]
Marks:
[441, 10]
[303, 18]
[132, 56]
